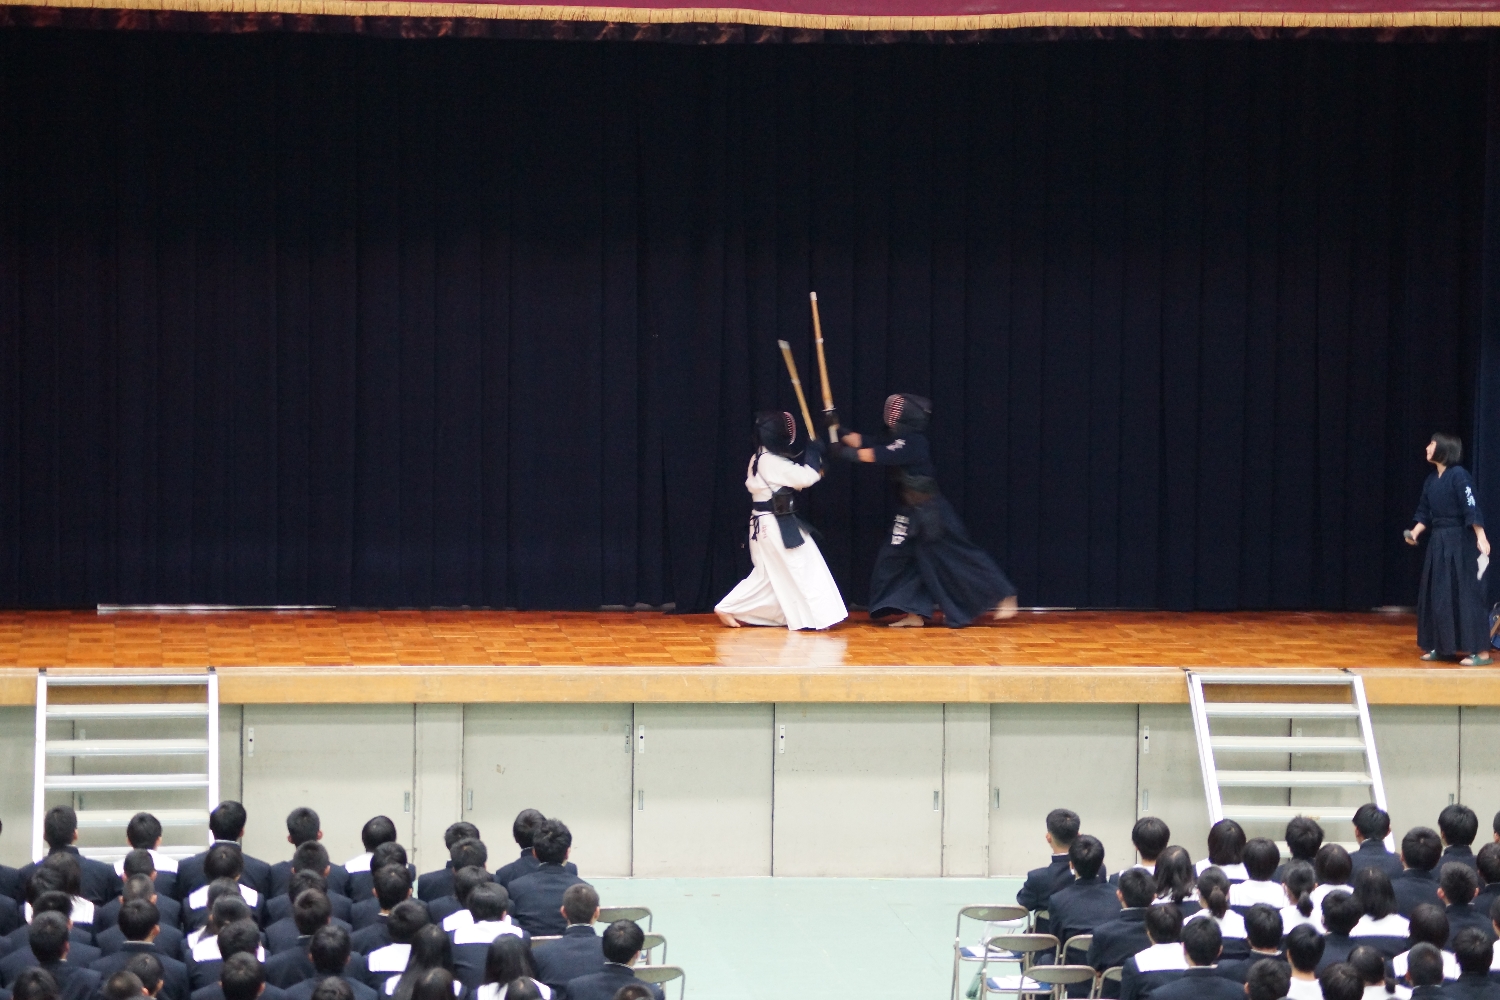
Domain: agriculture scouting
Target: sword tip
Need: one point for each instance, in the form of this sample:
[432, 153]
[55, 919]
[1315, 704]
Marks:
[783, 345]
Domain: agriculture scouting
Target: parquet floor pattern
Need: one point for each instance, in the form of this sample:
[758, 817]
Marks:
[460, 638]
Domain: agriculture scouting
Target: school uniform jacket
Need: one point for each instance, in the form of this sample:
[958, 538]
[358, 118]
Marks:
[280, 907]
[471, 946]
[579, 952]
[281, 879]
[1472, 986]
[1080, 907]
[1200, 983]
[168, 912]
[74, 982]
[1235, 938]
[1147, 971]
[1462, 854]
[283, 935]
[1388, 935]
[366, 939]
[525, 865]
[19, 940]
[1238, 969]
[169, 941]
[435, 885]
[99, 883]
[1115, 941]
[10, 915]
[536, 899]
[1372, 854]
[195, 906]
[1414, 888]
[216, 992]
[1336, 948]
[257, 874]
[1461, 915]
[174, 976]
[1036, 892]
[361, 882]
[604, 984]
[166, 873]
[18, 961]
[204, 962]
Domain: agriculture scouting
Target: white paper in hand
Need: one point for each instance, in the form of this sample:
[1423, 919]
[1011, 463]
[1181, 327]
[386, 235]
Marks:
[1484, 564]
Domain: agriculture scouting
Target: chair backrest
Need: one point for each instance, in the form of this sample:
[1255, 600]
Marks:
[660, 974]
[651, 942]
[993, 913]
[1061, 974]
[1078, 942]
[609, 914]
[1114, 973]
[1023, 944]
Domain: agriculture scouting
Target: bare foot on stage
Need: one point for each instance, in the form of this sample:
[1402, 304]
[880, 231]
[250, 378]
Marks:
[728, 619]
[1006, 609]
[910, 621]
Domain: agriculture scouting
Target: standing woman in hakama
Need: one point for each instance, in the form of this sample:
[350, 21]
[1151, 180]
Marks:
[1451, 617]
[790, 584]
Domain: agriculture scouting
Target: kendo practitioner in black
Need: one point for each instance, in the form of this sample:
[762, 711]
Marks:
[1451, 616]
[928, 561]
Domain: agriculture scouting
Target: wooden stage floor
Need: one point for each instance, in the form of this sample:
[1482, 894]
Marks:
[473, 656]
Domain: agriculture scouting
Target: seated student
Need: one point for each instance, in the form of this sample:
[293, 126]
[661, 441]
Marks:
[1429, 925]
[1370, 964]
[1426, 973]
[286, 934]
[1458, 884]
[62, 871]
[1458, 826]
[1371, 826]
[392, 887]
[1339, 981]
[1475, 951]
[242, 977]
[528, 822]
[310, 858]
[1334, 869]
[622, 946]
[221, 861]
[379, 830]
[1304, 950]
[227, 824]
[210, 953]
[1381, 927]
[506, 960]
[1261, 859]
[329, 954]
[1298, 888]
[1176, 881]
[1089, 901]
[1341, 912]
[435, 885]
[430, 949]
[139, 922]
[1123, 935]
[122, 985]
[51, 950]
[1303, 839]
[289, 965]
[452, 911]
[148, 969]
[304, 827]
[1148, 970]
[81, 952]
[388, 957]
[1268, 980]
[388, 855]
[329, 988]
[224, 908]
[98, 882]
[1263, 935]
[1213, 894]
[579, 951]
[1201, 944]
[143, 833]
[1036, 892]
[36, 984]
[1150, 837]
[138, 868]
[488, 903]
[536, 899]
[1420, 850]
[1226, 848]
[1488, 862]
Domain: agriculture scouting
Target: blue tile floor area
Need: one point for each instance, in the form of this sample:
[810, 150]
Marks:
[754, 938]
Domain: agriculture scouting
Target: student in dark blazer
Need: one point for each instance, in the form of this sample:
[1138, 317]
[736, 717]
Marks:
[536, 899]
[223, 862]
[1371, 826]
[386, 852]
[98, 881]
[389, 956]
[1370, 964]
[289, 965]
[227, 824]
[1458, 826]
[1488, 863]
[579, 951]
[1150, 836]
[1304, 836]
[1165, 961]
[51, 951]
[433, 885]
[1475, 952]
[1420, 850]
[1201, 942]
[1424, 967]
[1036, 892]
[283, 934]
[140, 883]
[1268, 980]
[1089, 901]
[242, 978]
[310, 870]
[81, 952]
[622, 946]
[146, 966]
[386, 856]
[140, 924]
[1382, 928]
[393, 888]
[1458, 884]
[1341, 911]
[206, 960]
[1124, 935]
[304, 827]
[143, 833]
[488, 904]
[524, 829]
[1340, 981]
[330, 956]
[451, 911]
[1263, 926]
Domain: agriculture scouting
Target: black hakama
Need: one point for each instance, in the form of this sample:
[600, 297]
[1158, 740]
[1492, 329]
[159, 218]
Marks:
[1451, 616]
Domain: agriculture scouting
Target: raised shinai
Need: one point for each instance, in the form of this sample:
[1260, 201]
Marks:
[790, 584]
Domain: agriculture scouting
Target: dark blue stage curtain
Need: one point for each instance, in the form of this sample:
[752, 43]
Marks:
[330, 319]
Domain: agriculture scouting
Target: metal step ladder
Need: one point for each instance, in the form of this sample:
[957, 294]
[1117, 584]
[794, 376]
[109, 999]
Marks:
[1284, 748]
[137, 752]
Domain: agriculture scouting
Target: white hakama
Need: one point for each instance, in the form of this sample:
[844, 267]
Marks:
[790, 587]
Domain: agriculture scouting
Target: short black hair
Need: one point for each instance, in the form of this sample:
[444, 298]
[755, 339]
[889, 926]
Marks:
[1137, 887]
[459, 831]
[53, 902]
[1263, 926]
[490, 901]
[1304, 948]
[1341, 911]
[302, 881]
[1339, 981]
[622, 940]
[1164, 923]
[303, 824]
[148, 969]
[1376, 895]
[526, 989]
[241, 937]
[1428, 923]
[1268, 979]
[242, 977]
[227, 908]
[630, 991]
[469, 853]
[552, 842]
[1226, 843]
[35, 984]
[1303, 837]
[1459, 882]
[1372, 822]
[310, 856]
[139, 862]
[1488, 860]
[223, 861]
[1449, 450]
[329, 949]
[1063, 824]
[123, 985]
[1333, 865]
[1202, 940]
[69, 867]
[311, 910]
[434, 984]
[1369, 963]
[1421, 848]
[333, 988]
[45, 880]
[580, 902]
[48, 936]
[143, 831]
[1424, 964]
[1262, 857]
[138, 887]
[467, 879]
[1458, 824]
[1150, 835]
[376, 831]
[1474, 950]
[138, 917]
[408, 917]
[1086, 855]
[59, 826]
[529, 821]
[392, 885]
[227, 821]
[221, 888]
[388, 854]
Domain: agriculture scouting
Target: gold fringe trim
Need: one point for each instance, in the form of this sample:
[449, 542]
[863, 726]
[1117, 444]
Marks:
[819, 22]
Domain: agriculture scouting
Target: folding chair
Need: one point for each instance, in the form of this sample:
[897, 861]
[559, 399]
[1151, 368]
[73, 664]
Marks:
[661, 974]
[609, 914]
[1059, 976]
[1012, 917]
[1113, 974]
[1078, 942]
[1025, 947]
[652, 941]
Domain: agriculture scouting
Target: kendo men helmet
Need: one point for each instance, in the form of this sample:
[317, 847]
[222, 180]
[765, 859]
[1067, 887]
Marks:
[907, 409]
[775, 430]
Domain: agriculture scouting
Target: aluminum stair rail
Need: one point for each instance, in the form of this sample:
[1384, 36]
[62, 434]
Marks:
[1210, 745]
[131, 759]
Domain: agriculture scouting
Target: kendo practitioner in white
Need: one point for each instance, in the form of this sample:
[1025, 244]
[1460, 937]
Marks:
[928, 561]
[790, 584]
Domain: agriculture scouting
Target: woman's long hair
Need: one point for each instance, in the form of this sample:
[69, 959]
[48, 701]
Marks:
[509, 958]
[1213, 891]
[1226, 843]
[1372, 887]
[434, 984]
[430, 949]
[1300, 880]
[1174, 874]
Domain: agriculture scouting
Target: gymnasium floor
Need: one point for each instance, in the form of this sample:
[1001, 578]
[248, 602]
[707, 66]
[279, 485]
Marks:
[823, 938]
